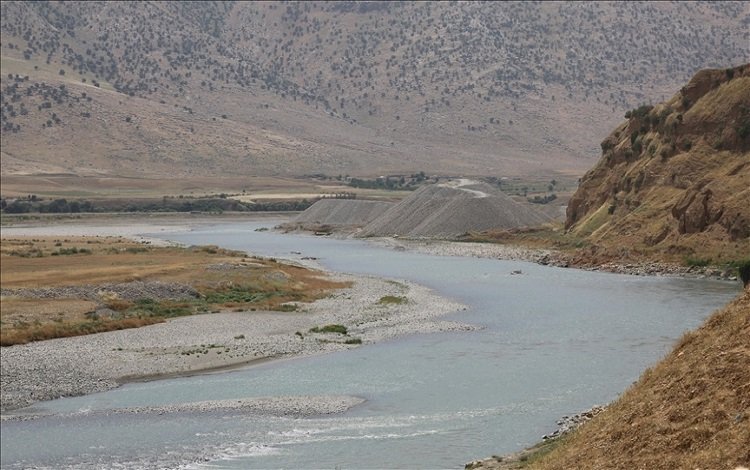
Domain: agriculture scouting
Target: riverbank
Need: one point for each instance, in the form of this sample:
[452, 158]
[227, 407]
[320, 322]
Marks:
[218, 341]
[213, 341]
[684, 412]
[549, 257]
[86, 364]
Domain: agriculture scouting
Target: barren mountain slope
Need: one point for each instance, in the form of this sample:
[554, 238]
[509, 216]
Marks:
[185, 88]
[675, 178]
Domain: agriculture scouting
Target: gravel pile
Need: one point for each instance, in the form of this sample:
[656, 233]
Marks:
[126, 291]
[451, 209]
[341, 212]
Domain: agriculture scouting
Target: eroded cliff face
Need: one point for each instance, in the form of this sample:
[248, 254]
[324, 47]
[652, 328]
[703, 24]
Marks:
[675, 177]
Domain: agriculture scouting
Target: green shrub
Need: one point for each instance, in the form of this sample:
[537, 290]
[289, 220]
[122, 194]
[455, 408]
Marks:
[743, 270]
[286, 308]
[341, 329]
[392, 299]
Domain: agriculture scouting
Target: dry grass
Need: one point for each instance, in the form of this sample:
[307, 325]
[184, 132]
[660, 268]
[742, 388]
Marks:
[692, 410]
[225, 279]
[48, 330]
[105, 187]
[551, 236]
[30, 311]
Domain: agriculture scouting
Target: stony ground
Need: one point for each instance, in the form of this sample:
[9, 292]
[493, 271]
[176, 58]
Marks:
[341, 212]
[85, 364]
[550, 257]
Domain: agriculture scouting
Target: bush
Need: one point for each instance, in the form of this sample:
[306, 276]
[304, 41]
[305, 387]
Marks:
[392, 299]
[743, 271]
[341, 329]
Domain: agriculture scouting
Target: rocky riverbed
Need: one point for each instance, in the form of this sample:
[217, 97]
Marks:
[550, 258]
[187, 345]
[516, 460]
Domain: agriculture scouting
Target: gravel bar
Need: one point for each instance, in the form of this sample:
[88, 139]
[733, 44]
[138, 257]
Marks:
[187, 345]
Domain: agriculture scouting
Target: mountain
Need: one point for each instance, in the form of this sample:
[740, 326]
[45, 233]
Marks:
[675, 178]
[291, 88]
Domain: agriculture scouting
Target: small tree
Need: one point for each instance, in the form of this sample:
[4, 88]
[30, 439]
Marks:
[744, 271]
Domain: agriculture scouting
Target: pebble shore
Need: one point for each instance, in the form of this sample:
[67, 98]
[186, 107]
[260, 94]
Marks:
[86, 364]
[549, 258]
[196, 344]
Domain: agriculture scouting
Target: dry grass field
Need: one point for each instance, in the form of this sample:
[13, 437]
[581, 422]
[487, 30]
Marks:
[219, 280]
[242, 188]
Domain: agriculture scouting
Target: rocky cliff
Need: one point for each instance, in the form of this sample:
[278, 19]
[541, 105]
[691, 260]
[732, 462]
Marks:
[675, 178]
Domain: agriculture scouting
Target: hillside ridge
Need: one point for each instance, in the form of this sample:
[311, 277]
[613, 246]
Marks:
[185, 88]
[675, 177]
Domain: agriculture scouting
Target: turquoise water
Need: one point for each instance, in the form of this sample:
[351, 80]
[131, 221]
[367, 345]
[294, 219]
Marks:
[555, 341]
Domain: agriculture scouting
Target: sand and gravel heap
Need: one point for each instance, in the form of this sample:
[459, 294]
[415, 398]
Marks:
[341, 213]
[453, 208]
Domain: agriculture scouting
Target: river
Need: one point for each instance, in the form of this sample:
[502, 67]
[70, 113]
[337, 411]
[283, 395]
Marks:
[553, 342]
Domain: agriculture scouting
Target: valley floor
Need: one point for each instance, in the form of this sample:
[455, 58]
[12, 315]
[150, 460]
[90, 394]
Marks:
[80, 365]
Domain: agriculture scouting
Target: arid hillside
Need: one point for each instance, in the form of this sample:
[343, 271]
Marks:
[291, 88]
[674, 178]
[689, 411]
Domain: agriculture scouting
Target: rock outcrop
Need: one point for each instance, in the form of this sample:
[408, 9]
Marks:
[674, 177]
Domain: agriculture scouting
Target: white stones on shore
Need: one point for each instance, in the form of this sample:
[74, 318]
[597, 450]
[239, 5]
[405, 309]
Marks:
[288, 406]
[468, 249]
[303, 406]
[86, 364]
[571, 423]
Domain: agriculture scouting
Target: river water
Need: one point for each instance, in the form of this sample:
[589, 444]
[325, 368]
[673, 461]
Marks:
[554, 342]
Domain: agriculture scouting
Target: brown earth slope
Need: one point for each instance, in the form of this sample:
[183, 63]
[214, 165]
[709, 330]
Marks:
[674, 179]
[266, 88]
[690, 411]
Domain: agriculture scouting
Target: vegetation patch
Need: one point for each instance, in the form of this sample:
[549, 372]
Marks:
[340, 329]
[222, 203]
[392, 300]
[225, 280]
[697, 262]
[743, 270]
[22, 334]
